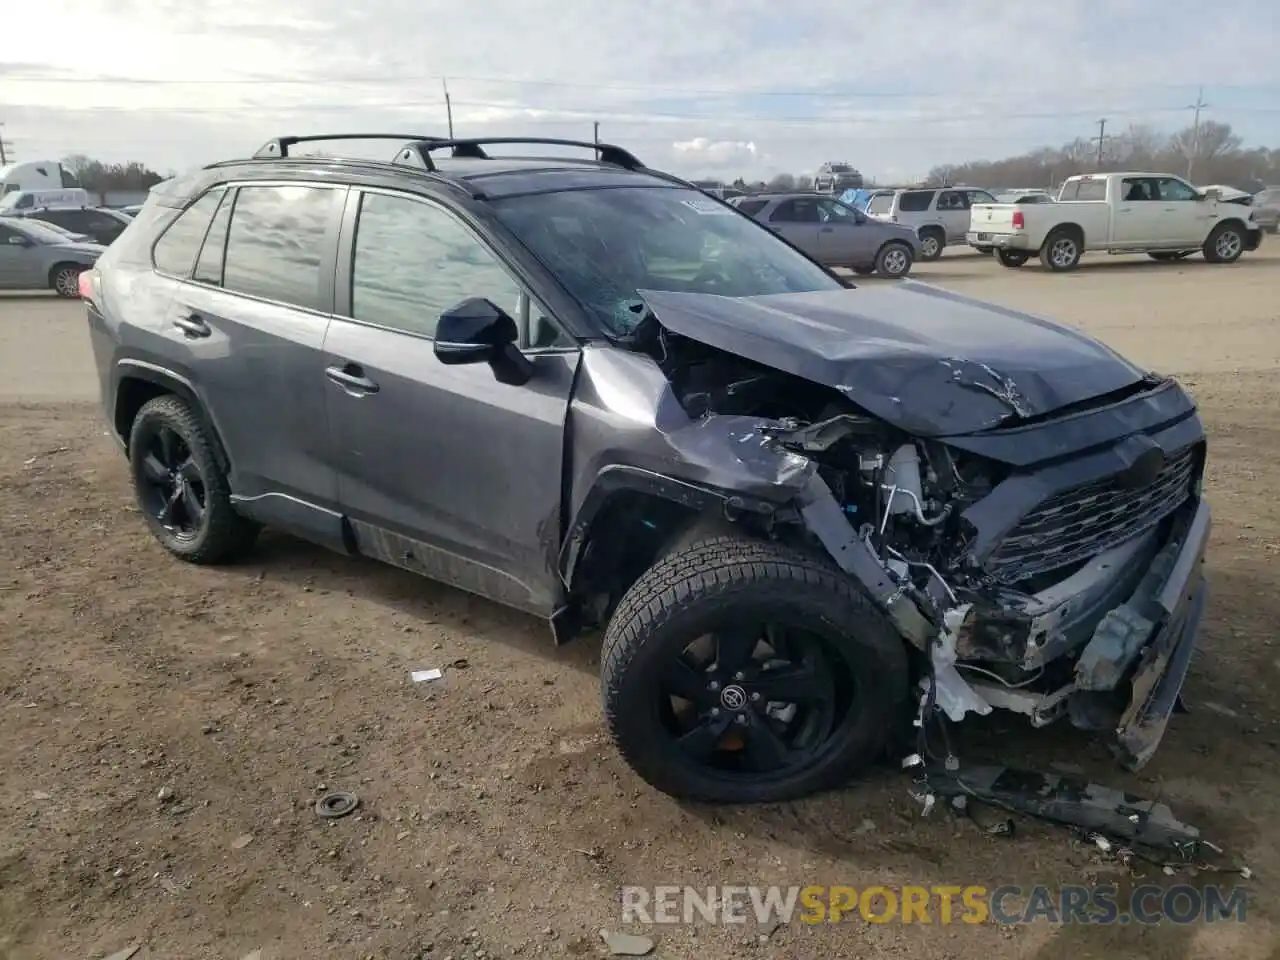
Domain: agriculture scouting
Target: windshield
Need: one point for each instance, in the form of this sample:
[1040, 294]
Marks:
[606, 245]
[40, 232]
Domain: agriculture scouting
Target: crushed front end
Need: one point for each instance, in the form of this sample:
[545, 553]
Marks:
[1052, 568]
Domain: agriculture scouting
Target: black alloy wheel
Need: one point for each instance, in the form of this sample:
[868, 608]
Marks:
[171, 487]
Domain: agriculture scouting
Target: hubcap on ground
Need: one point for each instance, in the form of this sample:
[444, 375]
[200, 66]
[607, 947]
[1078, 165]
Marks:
[755, 700]
[1228, 245]
[171, 485]
[1063, 253]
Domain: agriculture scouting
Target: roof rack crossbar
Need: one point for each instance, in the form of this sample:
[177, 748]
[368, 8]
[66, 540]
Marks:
[279, 146]
[418, 153]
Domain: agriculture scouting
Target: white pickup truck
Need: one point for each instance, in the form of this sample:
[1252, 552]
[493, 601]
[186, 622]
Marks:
[1152, 213]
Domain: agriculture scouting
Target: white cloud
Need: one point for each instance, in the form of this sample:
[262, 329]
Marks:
[729, 155]
[886, 86]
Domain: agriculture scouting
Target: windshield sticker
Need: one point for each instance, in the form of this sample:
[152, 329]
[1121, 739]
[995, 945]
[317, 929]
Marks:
[707, 207]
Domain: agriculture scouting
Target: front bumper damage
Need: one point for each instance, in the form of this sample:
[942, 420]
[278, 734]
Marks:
[1118, 634]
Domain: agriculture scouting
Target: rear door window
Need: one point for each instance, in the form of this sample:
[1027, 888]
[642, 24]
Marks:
[752, 207]
[209, 265]
[277, 241]
[1084, 190]
[799, 210]
[915, 201]
[175, 251]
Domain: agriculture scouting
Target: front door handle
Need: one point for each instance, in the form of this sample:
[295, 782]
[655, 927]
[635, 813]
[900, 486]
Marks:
[828, 229]
[194, 326]
[351, 378]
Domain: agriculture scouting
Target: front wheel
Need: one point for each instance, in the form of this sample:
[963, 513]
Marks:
[743, 671]
[894, 261]
[1011, 258]
[1225, 244]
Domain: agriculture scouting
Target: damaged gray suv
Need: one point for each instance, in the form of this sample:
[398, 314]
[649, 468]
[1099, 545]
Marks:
[804, 514]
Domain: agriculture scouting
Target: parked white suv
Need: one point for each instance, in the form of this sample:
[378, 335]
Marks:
[939, 215]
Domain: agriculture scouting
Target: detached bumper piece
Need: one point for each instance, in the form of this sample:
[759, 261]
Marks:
[1069, 802]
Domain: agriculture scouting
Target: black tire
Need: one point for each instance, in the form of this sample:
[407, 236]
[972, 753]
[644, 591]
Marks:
[711, 586]
[864, 271]
[1225, 243]
[200, 525]
[1062, 250]
[932, 243]
[1012, 258]
[894, 260]
[1166, 257]
[64, 279]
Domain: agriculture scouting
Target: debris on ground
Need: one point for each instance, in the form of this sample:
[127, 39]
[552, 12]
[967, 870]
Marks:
[337, 804]
[242, 841]
[626, 944]
[421, 676]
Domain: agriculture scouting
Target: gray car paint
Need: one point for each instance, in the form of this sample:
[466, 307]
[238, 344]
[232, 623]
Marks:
[30, 266]
[851, 243]
[494, 487]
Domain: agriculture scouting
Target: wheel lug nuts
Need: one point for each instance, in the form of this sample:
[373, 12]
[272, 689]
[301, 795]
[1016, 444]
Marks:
[742, 718]
[715, 711]
[755, 696]
[713, 686]
[739, 675]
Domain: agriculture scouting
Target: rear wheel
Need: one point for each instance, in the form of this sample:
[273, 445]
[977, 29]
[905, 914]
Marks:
[744, 671]
[932, 241]
[1061, 251]
[1225, 244]
[181, 489]
[1012, 258]
[894, 260]
[64, 279]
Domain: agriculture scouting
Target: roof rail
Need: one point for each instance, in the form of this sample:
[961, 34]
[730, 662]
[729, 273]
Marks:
[279, 146]
[418, 153]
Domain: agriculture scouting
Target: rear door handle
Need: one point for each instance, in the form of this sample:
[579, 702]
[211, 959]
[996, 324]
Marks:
[828, 229]
[194, 326]
[350, 377]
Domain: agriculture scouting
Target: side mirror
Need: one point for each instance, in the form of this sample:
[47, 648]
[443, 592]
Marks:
[1213, 193]
[19, 242]
[480, 331]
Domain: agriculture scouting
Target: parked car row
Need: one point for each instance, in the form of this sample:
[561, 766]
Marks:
[39, 256]
[1157, 214]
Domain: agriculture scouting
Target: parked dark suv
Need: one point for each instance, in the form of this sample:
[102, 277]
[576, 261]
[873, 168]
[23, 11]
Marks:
[585, 389]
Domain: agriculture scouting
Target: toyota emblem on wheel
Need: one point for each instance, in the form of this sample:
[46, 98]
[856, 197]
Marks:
[734, 698]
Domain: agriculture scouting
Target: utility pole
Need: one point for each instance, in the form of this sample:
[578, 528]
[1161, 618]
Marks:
[448, 104]
[1195, 130]
[1101, 138]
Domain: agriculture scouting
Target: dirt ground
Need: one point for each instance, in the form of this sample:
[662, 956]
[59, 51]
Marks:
[167, 729]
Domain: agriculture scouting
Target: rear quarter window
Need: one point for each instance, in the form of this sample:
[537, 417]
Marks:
[915, 201]
[175, 252]
[880, 204]
[752, 207]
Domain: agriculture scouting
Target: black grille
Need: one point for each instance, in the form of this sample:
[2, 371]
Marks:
[1081, 523]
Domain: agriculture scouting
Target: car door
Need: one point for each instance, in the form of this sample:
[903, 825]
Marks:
[1185, 217]
[953, 213]
[443, 469]
[247, 323]
[843, 237]
[14, 254]
[1139, 215]
[797, 220]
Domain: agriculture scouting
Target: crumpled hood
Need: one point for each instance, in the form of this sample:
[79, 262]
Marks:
[929, 361]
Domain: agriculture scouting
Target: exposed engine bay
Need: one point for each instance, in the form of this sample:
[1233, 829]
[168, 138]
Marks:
[1049, 617]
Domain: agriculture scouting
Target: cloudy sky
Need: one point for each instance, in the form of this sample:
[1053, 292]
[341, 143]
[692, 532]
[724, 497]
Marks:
[703, 87]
